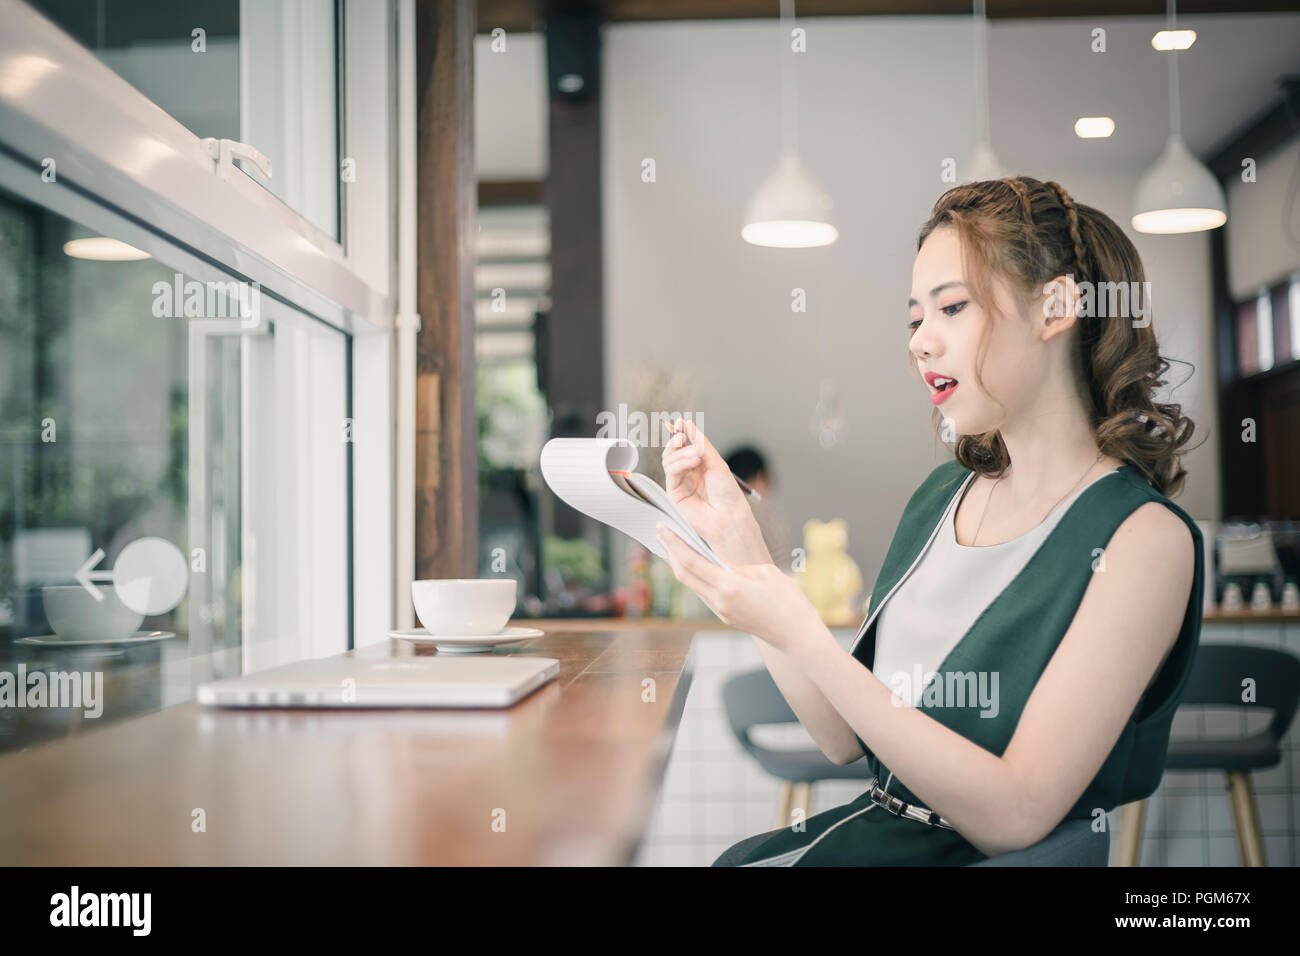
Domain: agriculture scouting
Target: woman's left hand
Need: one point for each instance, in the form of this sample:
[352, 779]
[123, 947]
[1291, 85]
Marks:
[758, 599]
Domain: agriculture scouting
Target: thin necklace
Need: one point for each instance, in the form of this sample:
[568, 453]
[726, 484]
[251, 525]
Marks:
[1049, 510]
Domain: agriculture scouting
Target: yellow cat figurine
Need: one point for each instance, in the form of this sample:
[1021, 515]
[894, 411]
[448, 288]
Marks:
[830, 578]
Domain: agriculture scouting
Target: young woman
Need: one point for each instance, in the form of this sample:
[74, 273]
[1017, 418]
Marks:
[1041, 579]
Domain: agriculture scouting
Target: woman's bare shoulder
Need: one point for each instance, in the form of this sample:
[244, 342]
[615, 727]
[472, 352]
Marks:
[1161, 540]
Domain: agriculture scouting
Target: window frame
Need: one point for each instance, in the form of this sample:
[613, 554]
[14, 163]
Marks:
[122, 162]
[1286, 290]
[58, 100]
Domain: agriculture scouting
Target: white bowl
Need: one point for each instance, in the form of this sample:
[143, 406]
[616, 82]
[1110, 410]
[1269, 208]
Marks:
[75, 615]
[464, 607]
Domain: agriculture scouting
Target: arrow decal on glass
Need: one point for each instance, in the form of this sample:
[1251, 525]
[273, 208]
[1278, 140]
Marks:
[85, 575]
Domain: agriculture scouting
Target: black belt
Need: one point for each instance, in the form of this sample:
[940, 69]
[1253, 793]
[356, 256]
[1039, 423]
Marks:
[901, 808]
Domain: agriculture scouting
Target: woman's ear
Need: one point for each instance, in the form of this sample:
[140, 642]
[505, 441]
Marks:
[1061, 300]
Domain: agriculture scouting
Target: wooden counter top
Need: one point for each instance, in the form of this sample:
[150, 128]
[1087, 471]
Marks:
[574, 771]
[623, 623]
[1274, 615]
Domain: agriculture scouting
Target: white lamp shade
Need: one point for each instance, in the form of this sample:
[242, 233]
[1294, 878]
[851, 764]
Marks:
[103, 248]
[983, 165]
[789, 210]
[1178, 194]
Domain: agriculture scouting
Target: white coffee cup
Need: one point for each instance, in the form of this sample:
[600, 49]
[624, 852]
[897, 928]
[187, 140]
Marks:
[75, 615]
[464, 606]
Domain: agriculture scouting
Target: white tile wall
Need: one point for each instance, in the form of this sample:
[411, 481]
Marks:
[714, 795]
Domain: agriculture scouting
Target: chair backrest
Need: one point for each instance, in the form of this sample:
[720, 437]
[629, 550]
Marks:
[1073, 843]
[1216, 681]
[751, 699]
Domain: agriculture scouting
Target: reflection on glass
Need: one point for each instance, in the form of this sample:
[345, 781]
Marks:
[263, 72]
[152, 45]
[96, 555]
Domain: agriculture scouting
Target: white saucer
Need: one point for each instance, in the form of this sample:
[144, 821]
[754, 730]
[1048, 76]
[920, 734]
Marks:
[468, 643]
[139, 637]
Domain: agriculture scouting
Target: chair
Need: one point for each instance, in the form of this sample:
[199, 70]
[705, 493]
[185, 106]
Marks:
[1073, 843]
[1215, 681]
[752, 698]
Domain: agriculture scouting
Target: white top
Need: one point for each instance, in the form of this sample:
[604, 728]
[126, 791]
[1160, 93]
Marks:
[934, 607]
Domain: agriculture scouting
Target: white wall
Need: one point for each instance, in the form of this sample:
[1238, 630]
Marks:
[1260, 252]
[511, 114]
[881, 101]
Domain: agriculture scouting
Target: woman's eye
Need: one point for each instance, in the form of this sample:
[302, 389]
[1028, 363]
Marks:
[948, 310]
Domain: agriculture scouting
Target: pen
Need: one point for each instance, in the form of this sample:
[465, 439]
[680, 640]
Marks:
[686, 440]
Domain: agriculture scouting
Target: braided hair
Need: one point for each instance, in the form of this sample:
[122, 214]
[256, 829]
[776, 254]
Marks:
[1022, 193]
[1089, 327]
[1030, 232]
[1082, 272]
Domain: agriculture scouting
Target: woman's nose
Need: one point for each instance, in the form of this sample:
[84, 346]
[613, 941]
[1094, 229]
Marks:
[920, 344]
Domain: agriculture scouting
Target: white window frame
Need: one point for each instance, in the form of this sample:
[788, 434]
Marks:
[114, 147]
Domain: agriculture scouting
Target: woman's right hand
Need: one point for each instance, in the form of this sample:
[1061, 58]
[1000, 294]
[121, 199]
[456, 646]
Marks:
[699, 482]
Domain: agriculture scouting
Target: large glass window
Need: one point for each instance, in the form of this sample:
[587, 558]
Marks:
[261, 72]
[177, 348]
[1268, 328]
[170, 448]
[154, 46]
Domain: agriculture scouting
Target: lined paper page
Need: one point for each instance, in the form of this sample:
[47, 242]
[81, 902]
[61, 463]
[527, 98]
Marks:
[653, 492]
[577, 470]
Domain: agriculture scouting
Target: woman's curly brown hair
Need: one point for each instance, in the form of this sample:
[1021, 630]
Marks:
[1030, 232]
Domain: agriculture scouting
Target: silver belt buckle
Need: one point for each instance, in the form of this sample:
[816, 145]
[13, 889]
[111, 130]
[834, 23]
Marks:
[886, 800]
[898, 806]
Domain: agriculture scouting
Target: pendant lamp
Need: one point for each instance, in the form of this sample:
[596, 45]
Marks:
[984, 163]
[788, 210]
[1177, 194]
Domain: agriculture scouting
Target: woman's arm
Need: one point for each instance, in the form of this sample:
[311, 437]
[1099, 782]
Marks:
[1129, 618]
[828, 729]
[825, 725]
[702, 486]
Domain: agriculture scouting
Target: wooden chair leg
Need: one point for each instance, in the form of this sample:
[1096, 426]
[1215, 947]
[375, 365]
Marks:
[1241, 794]
[784, 804]
[1130, 833]
[802, 800]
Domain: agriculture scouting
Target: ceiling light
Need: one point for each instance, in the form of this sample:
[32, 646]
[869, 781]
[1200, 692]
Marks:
[788, 210]
[1177, 194]
[1173, 39]
[983, 165]
[103, 248]
[1093, 127]
[984, 162]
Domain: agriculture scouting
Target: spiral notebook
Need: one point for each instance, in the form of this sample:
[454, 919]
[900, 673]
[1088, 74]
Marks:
[597, 476]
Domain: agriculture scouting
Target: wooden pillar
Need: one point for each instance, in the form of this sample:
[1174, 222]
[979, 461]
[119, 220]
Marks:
[446, 441]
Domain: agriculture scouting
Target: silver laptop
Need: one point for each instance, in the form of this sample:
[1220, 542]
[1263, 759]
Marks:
[481, 680]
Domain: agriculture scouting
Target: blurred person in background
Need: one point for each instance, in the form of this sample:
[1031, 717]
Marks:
[750, 465]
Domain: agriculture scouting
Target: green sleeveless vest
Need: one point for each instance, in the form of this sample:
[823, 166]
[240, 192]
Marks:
[1015, 636]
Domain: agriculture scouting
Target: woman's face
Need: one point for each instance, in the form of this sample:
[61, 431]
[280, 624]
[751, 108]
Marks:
[946, 325]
